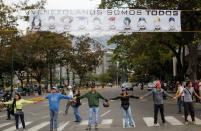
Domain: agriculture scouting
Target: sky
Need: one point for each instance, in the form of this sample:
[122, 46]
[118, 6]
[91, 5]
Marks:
[72, 4]
[66, 4]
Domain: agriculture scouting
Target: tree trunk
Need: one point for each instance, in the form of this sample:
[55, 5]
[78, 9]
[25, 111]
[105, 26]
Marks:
[51, 77]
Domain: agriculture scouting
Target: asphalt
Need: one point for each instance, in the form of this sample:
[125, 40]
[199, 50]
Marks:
[111, 118]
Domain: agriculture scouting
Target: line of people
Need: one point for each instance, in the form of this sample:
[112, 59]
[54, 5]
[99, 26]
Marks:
[93, 97]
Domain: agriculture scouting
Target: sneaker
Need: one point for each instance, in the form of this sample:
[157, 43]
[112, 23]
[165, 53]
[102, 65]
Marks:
[193, 122]
[96, 127]
[186, 123]
[133, 125]
[156, 125]
[88, 128]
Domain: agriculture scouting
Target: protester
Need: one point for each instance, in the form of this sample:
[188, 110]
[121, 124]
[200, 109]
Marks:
[158, 94]
[196, 89]
[125, 104]
[54, 100]
[93, 101]
[188, 101]
[69, 102]
[180, 99]
[200, 88]
[75, 105]
[18, 104]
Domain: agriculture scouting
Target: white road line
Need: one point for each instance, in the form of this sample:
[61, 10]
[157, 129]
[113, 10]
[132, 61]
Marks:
[38, 127]
[63, 125]
[105, 113]
[107, 122]
[197, 120]
[13, 128]
[2, 116]
[123, 123]
[83, 123]
[5, 124]
[149, 121]
[173, 121]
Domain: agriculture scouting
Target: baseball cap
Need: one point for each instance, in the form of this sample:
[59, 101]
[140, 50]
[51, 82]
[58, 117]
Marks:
[54, 87]
[69, 87]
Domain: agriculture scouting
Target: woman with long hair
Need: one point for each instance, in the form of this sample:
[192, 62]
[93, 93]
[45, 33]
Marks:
[128, 118]
[18, 104]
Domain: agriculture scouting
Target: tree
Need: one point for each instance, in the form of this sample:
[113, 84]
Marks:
[175, 42]
[85, 57]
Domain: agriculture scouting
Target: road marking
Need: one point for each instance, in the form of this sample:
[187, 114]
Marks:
[38, 127]
[5, 124]
[149, 121]
[3, 116]
[83, 123]
[107, 122]
[197, 120]
[173, 121]
[63, 125]
[105, 113]
[13, 128]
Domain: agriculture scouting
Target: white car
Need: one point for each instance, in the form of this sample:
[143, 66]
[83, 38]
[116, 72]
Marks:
[150, 86]
[127, 85]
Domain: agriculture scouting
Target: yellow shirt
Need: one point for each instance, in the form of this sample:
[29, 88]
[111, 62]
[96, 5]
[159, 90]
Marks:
[19, 104]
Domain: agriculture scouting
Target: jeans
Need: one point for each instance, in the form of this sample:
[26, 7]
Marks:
[180, 103]
[128, 118]
[188, 107]
[158, 107]
[93, 112]
[53, 120]
[68, 104]
[77, 114]
[21, 116]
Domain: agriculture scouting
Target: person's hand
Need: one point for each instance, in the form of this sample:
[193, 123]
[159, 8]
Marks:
[141, 98]
[174, 98]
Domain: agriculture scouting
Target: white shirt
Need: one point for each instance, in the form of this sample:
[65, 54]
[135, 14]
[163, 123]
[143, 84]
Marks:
[70, 93]
[181, 88]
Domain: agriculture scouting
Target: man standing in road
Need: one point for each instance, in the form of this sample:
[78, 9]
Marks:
[158, 94]
[188, 101]
[54, 100]
[93, 100]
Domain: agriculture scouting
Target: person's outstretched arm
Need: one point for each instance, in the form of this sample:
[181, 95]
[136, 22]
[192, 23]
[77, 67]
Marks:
[27, 101]
[65, 97]
[7, 103]
[146, 95]
[83, 96]
[101, 97]
[167, 94]
[134, 97]
[115, 98]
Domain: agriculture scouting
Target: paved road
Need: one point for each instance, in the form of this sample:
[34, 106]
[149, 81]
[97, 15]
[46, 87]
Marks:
[37, 116]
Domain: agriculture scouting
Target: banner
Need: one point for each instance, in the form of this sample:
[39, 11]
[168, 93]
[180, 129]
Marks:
[105, 21]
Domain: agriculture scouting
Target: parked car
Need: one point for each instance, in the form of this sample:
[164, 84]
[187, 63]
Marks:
[150, 86]
[21, 91]
[128, 86]
[109, 84]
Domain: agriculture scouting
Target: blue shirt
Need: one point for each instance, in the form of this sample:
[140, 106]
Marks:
[54, 100]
